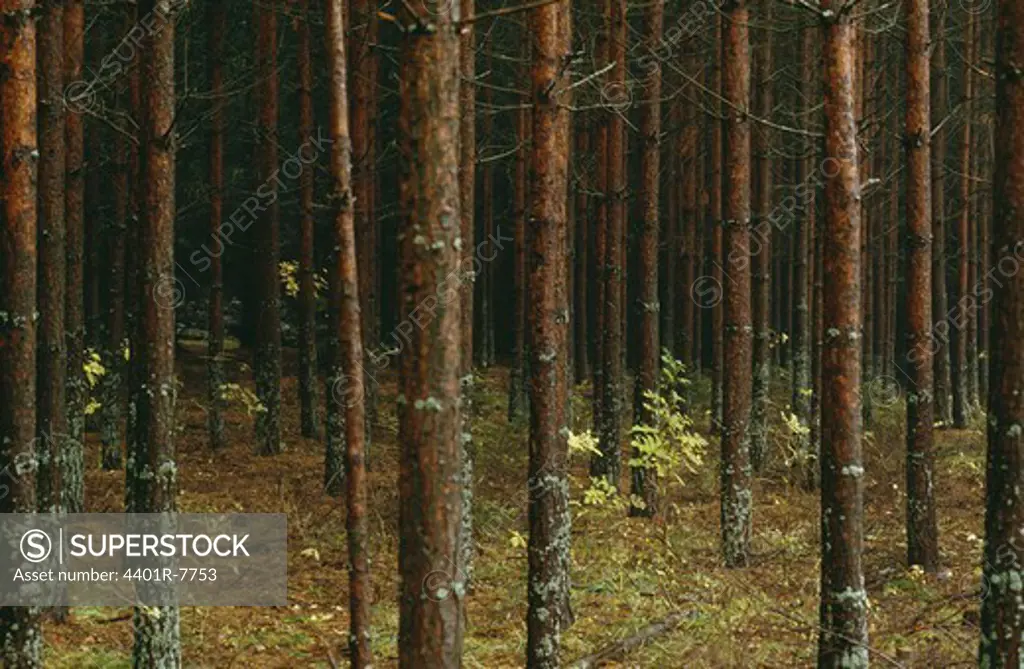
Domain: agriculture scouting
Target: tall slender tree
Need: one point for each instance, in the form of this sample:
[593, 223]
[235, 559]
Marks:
[155, 483]
[51, 417]
[609, 464]
[348, 351]
[1002, 628]
[844, 630]
[804, 259]
[548, 547]
[940, 346]
[217, 16]
[432, 588]
[761, 247]
[21, 641]
[308, 381]
[922, 526]
[73, 457]
[644, 482]
[736, 502]
[517, 392]
[267, 363]
[961, 386]
[717, 215]
[361, 15]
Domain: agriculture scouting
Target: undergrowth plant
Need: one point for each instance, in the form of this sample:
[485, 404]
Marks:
[667, 444]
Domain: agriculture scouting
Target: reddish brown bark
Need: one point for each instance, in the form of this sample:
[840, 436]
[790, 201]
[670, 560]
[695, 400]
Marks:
[738, 330]
[51, 418]
[72, 457]
[308, 380]
[362, 49]
[1002, 628]
[267, 362]
[467, 204]
[761, 243]
[609, 465]
[20, 636]
[922, 526]
[644, 481]
[581, 250]
[717, 214]
[667, 262]
[348, 353]
[548, 549]
[432, 589]
[154, 476]
[844, 631]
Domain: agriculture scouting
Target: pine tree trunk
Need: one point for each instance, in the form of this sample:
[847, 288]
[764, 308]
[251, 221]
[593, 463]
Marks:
[581, 256]
[308, 379]
[961, 348]
[362, 49]
[348, 396]
[736, 504]
[804, 258]
[609, 465]
[51, 418]
[1002, 628]
[717, 215]
[599, 144]
[844, 631]
[549, 516]
[21, 641]
[215, 353]
[761, 244]
[644, 481]
[517, 375]
[157, 634]
[432, 589]
[922, 526]
[73, 456]
[467, 204]
[267, 363]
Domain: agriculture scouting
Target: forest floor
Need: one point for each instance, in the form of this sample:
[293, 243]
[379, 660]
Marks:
[627, 572]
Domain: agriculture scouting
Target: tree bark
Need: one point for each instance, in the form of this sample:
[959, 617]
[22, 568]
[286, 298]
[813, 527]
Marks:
[804, 258]
[517, 395]
[217, 16]
[717, 214]
[432, 589]
[1002, 628]
[363, 110]
[157, 634]
[349, 398]
[736, 504]
[609, 465]
[581, 257]
[21, 641]
[51, 388]
[922, 526]
[267, 363]
[961, 398]
[761, 245]
[548, 548]
[644, 479]
[844, 631]
[309, 402]
[467, 204]
[73, 456]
